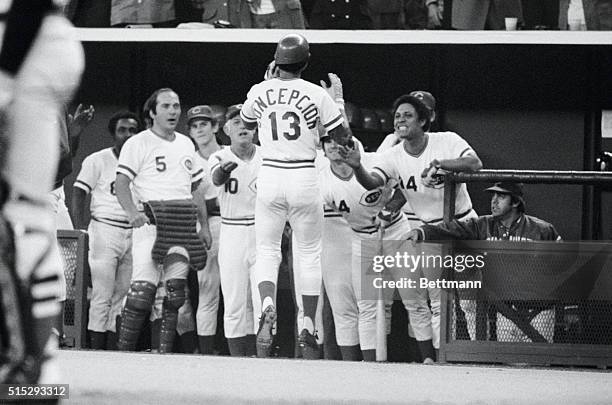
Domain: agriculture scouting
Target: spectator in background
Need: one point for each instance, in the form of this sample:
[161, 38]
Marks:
[340, 15]
[540, 14]
[387, 14]
[597, 14]
[284, 14]
[236, 12]
[158, 13]
[484, 14]
[89, 13]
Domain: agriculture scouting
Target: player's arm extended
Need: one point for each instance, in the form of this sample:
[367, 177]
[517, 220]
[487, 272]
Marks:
[124, 196]
[78, 207]
[221, 174]
[455, 230]
[467, 163]
[199, 198]
[396, 202]
[367, 179]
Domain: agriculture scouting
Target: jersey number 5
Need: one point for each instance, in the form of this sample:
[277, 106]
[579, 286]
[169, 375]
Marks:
[160, 164]
[294, 125]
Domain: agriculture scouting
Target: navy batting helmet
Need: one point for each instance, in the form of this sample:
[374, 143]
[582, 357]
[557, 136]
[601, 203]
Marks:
[292, 48]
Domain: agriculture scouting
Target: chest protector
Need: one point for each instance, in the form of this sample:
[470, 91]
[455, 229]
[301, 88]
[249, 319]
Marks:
[176, 222]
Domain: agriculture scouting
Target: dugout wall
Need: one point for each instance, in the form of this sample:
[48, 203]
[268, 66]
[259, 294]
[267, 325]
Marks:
[528, 100]
[554, 298]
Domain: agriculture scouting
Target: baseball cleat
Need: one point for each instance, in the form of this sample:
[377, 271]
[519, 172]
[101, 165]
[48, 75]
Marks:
[429, 361]
[264, 333]
[309, 345]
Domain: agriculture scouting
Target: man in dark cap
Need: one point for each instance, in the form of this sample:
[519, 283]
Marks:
[507, 221]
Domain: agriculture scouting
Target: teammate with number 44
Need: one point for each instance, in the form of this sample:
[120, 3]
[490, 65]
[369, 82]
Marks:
[286, 109]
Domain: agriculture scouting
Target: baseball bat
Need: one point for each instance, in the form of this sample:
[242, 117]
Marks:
[381, 327]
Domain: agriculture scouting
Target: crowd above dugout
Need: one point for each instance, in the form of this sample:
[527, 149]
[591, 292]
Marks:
[576, 15]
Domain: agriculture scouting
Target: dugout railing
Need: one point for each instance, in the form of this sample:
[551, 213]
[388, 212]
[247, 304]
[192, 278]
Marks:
[569, 281]
[74, 247]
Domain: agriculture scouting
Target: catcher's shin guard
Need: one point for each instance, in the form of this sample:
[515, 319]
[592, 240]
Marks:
[139, 301]
[29, 289]
[175, 298]
[27, 320]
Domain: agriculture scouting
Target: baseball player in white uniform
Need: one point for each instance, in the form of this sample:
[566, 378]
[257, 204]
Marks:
[202, 129]
[234, 170]
[110, 234]
[286, 110]
[360, 208]
[418, 164]
[393, 139]
[162, 167]
[40, 67]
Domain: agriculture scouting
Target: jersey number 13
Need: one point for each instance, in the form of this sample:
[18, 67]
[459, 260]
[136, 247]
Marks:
[294, 125]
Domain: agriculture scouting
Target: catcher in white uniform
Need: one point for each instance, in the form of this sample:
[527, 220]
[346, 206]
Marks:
[286, 110]
[40, 67]
[162, 167]
[418, 164]
[110, 234]
[235, 170]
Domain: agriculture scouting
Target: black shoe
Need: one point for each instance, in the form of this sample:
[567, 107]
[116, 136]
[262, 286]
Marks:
[309, 345]
[264, 333]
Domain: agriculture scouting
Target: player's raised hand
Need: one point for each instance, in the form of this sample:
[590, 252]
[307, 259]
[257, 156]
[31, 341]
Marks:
[271, 71]
[139, 220]
[428, 176]
[334, 90]
[227, 165]
[82, 116]
[350, 154]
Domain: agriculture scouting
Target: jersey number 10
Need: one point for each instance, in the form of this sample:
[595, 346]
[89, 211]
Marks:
[294, 125]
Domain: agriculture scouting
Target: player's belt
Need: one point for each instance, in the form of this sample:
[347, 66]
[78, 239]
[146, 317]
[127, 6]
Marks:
[458, 216]
[367, 229]
[245, 221]
[289, 164]
[113, 222]
[328, 213]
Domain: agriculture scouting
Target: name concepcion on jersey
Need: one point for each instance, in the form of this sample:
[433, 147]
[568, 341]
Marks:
[237, 195]
[287, 112]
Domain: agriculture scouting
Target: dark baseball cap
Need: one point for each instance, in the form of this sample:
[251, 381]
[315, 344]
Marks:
[514, 189]
[426, 98]
[200, 111]
[232, 111]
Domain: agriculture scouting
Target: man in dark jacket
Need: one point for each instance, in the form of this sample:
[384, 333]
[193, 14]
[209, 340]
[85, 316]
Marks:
[507, 221]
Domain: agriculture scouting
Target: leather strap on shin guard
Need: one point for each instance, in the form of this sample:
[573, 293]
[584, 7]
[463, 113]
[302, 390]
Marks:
[12, 337]
[176, 222]
[175, 298]
[139, 301]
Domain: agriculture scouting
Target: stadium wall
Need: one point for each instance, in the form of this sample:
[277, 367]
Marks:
[520, 106]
